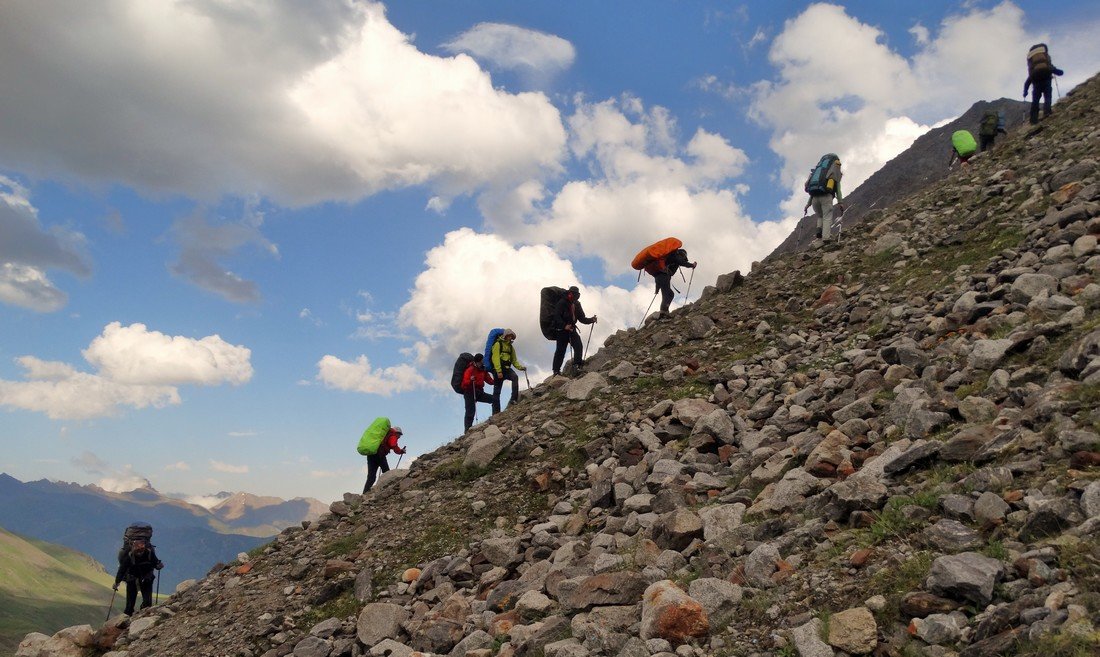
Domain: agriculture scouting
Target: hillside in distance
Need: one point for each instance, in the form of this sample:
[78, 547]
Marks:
[922, 164]
[189, 538]
[45, 587]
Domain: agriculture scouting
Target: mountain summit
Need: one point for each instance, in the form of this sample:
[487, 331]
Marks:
[890, 448]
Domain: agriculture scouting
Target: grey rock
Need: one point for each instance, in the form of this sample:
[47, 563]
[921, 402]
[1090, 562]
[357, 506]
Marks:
[990, 509]
[986, 354]
[390, 648]
[312, 646]
[1090, 500]
[690, 410]
[1027, 286]
[952, 536]
[485, 449]
[760, 565]
[676, 530]
[585, 387]
[966, 576]
[473, 641]
[378, 621]
[807, 640]
[938, 629]
[623, 370]
[719, 597]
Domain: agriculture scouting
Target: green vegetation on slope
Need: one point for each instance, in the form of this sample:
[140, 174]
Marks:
[45, 587]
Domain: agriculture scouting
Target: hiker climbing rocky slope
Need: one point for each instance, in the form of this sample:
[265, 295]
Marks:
[887, 449]
[922, 164]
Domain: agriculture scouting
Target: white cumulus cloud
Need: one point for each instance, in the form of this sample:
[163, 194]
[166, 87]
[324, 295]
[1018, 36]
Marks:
[300, 102]
[513, 47]
[360, 376]
[228, 467]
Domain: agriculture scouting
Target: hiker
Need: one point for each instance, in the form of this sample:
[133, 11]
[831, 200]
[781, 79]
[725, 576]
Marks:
[1040, 73]
[963, 147]
[135, 567]
[992, 123]
[503, 358]
[473, 388]
[823, 186]
[377, 461]
[566, 315]
[672, 262]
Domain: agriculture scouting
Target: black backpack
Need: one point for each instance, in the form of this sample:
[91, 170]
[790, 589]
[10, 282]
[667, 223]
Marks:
[137, 531]
[463, 361]
[548, 301]
[988, 126]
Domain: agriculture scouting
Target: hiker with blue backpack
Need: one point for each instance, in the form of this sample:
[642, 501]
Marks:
[823, 186]
[378, 440]
[502, 358]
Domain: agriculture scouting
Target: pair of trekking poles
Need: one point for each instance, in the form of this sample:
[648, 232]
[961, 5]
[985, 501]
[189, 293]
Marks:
[156, 600]
[686, 294]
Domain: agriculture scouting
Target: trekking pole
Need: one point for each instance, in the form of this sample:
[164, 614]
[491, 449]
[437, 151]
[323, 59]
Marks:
[157, 598]
[689, 286]
[646, 314]
[590, 327]
[1057, 88]
[399, 457]
[528, 379]
[111, 607]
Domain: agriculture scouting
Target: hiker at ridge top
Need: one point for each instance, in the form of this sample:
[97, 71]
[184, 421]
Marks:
[673, 261]
[377, 461]
[136, 568]
[473, 388]
[504, 358]
[567, 313]
[1040, 73]
[822, 190]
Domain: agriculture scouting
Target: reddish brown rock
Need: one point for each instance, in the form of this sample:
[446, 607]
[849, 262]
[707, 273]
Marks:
[1082, 460]
[859, 558]
[334, 567]
[919, 604]
[1066, 192]
[244, 568]
[410, 575]
[671, 614]
[831, 295]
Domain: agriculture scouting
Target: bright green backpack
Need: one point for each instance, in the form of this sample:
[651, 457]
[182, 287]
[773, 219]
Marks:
[372, 437]
[964, 143]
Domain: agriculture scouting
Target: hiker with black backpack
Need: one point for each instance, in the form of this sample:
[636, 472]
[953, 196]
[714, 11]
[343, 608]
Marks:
[991, 124]
[823, 186]
[137, 563]
[567, 313]
[473, 388]
[378, 440]
[502, 356]
[1040, 73]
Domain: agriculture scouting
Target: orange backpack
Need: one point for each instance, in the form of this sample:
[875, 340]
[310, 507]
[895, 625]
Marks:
[652, 257]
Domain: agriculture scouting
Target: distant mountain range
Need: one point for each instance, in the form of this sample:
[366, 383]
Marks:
[920, 165]
[189, 538]
[46, 587]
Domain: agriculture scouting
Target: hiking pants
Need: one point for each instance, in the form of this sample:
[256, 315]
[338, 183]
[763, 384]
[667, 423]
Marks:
[568, 338]
[664, 286]
[132, 591]
[473, 396]
[508, 374]
[823, 208]
[374, 464]
[985, 141]
[1040, 89]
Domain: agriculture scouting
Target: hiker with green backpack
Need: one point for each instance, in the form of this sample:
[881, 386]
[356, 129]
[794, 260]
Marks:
[1040, 73]
[992, 123]
[963, 147]
[823, 186]
[379, 439]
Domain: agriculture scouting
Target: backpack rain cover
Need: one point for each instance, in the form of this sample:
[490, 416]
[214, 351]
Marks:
[652, 257]
[372, 437]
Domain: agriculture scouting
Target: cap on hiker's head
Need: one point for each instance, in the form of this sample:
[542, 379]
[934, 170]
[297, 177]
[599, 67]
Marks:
[396, 430]
[509, 334]
[575, 291]
[478, 357]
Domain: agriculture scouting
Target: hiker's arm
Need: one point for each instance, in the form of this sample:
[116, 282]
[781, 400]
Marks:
[1058, 71]
[515, 360]
[1027, 85]
[808, 202]
[494, 356]
[153, 557]
[121, 574]
[839, 196]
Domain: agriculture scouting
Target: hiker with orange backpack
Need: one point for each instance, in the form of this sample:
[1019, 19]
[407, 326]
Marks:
[661, 260]
[567, 314]
[379, 439]
[1040, 73]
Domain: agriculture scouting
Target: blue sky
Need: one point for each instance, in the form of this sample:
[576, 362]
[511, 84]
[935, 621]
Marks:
[234, 232]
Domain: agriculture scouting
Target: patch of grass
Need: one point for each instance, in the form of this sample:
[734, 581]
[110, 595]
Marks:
[345, 545]
[258, 550]
[892, 523]
[1062, 644]
[689, 389]
[644, 383]
[826, 618]
[341, 607]
[895, 582]
[948, 474]
[1082, 558]
[449, 469]
[995, 550]
[472, 473]
[964, 391]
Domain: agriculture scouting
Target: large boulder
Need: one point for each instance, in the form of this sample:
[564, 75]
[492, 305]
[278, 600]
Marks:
[614, 588]
[854, 631]
[378, 621]
[670, 614]
[966, 576]
[719, 597]
[484, 449]
[676, 529]
[585, 387]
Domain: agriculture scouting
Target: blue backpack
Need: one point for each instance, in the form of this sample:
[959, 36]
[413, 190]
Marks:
[493, 335]
[818, 183]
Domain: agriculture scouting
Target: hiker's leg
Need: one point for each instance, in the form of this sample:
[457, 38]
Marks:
[1035, 94]
[578, 349]
[511, 375]
[986, 142]
[826, 217]
[1047, 93]
[372, 472]
[146, 593]
[383, 464]
[664, 284]
[818, 208]
[131, 597]
[498, 385]
[470, 397]
[559, 351]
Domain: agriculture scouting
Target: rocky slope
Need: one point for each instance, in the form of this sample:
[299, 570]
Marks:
[922, 164]
[888, 449]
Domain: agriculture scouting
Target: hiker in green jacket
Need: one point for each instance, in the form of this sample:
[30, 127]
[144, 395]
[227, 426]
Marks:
[504, 359]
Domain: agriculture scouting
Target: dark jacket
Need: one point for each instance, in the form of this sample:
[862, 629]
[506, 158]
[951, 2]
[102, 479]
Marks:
[674, 261]
[133, 566]
[568, 313]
